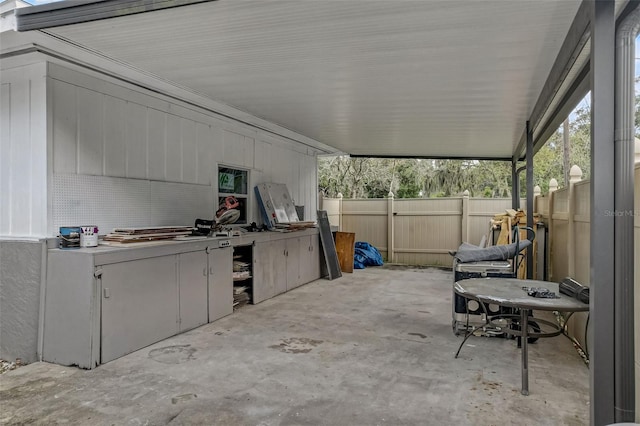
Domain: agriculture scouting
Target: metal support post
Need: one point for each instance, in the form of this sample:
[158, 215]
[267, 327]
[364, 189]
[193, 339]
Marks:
[515, 188]
[601, 332]
[624, 217]
[529, 158]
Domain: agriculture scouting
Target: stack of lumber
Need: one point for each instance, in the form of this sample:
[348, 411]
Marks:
[241, 283]
[144, 234]
[295, 226]
[240, 296]
[505, 222]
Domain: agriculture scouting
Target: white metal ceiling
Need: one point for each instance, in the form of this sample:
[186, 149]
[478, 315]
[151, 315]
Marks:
[452, 78]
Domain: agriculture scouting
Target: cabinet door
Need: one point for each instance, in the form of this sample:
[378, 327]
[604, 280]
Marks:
[220, 283]
[263, 288]
[293, 262]
[309, 258]
[270, 270]
[192, 280]
[139, 305]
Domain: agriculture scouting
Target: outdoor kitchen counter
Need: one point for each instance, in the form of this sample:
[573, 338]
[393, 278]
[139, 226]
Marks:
[103, 302]
[112, 252]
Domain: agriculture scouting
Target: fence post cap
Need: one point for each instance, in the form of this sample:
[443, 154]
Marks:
[466, 193]
[553, 185]
[339, 194]
[575, 174]
[390, 194]
[537, 190]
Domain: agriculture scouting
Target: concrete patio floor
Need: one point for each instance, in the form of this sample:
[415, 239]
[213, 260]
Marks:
[372, 348]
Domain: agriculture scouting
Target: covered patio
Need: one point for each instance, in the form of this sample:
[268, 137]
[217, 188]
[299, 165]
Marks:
[213, 83]
[371, 348]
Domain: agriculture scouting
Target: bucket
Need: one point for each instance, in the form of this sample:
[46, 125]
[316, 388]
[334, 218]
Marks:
[89, 236]
[69, 237]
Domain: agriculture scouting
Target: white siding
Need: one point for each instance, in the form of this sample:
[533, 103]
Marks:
[136, 141]
[173, 157]
[23, 158]
[109, 131]
[65, 127]
[262, 155]
[203, 154]
[90, 133]
[156, 143]
[5, 164]
[189, 151]
[114, 137]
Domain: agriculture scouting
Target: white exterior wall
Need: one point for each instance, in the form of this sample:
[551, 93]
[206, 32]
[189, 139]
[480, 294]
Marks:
[120, 155]
[23, 151]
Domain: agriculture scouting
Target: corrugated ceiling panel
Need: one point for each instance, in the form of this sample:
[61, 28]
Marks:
[430, 78]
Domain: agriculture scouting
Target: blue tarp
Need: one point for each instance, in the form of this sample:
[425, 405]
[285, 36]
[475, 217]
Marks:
[366, 255]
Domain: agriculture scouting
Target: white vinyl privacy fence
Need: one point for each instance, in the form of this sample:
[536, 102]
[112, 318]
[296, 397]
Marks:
[567, 212]
[415, 231]
[421, 231]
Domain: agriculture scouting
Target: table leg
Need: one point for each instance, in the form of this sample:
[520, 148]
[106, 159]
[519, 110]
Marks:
[524, 327]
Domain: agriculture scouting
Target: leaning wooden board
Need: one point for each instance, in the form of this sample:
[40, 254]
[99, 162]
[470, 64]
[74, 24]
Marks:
[345, 247]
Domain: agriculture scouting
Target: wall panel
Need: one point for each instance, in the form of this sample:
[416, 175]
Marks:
[249, 147]
[189, 151]
[23, 155]
[262, 155]
[5, 164]
[65, 126]
[115, 151]
[90, 132]
[80, 200]
[233, 148]
[173, 147]
[204, 144]
[104, 129]
[156, 144]
[136, 141]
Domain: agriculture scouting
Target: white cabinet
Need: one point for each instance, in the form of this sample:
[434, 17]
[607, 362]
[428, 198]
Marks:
[105, 302]
[310, 251]
[220, 279]
[293, 256]
[193, 274]
[138, 305]
[102, 303]
[284, 264]
[268, 271]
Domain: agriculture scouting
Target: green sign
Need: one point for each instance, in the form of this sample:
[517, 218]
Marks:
[226, 181]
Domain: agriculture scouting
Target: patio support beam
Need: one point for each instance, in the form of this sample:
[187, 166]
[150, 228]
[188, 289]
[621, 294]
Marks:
[529, 178]
[602, 257]
[627, 32]
[515, 196]
[573, 44]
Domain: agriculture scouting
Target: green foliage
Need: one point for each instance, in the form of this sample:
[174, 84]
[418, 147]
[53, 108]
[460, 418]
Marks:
[412, 178]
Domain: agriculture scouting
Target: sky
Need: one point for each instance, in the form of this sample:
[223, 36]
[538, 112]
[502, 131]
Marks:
[37, 2]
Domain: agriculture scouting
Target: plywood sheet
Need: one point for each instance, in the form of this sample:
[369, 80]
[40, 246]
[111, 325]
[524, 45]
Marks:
[345, 247]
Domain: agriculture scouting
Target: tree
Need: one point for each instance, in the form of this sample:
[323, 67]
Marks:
[413, 178]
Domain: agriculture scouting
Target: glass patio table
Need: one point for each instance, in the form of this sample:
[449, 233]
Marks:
[512, 293]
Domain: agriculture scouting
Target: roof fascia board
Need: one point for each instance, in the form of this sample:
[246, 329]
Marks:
[571, 98]
[430, 157]
[74, 12]
[576, 38]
